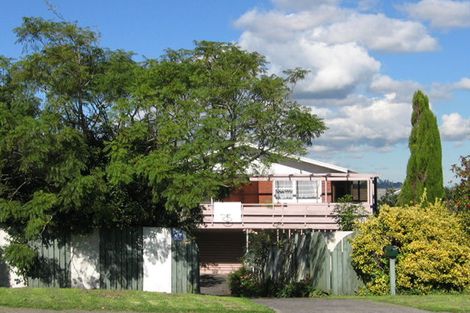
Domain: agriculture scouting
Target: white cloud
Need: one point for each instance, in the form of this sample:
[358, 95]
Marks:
[302, 4]
[444, 91]
[330, 41]
[377, 32]
[366, 5]
[331, 104]
[333, 74]
[404, 89]
[454, 127]
[380, 123]
[279, 25]
[334, 69]
[464, 83]
[319, 149]
[323, 112]
[333, 43]
[440, 13]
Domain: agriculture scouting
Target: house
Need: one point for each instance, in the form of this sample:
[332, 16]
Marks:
[295, 194]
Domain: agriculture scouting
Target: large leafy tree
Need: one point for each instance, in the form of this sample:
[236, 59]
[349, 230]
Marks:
[458, 196]
[91, 138]
[424, 170]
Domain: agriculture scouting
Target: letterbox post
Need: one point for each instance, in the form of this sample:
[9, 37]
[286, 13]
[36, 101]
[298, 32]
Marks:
[391, 252]
[392, 276]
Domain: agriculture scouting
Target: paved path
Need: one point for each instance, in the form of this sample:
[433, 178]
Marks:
[214, 285]
[333, 306]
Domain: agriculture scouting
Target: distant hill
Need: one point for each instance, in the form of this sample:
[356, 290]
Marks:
[386, 184]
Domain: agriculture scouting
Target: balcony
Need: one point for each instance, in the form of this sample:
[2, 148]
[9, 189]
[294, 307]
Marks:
[317, 216]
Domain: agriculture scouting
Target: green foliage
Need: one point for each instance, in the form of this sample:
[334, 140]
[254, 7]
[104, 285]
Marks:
[390, 198]
[434, 250]
[22, 256]
[281, 265]
[91, 138]
[261, 244]
[244, 283]
[347, 214]
[458, 196]
[297, 289]
[424, 170]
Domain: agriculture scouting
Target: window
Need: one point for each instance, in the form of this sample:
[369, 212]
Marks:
[283, 190]
[307, 189]
[356, 188]
[359, 190]
[300, 190]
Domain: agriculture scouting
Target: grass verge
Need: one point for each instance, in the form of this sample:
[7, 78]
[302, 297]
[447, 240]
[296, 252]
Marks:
[459, 303]
[137, 301]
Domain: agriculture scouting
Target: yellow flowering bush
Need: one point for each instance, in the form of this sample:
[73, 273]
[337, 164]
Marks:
[434, 249]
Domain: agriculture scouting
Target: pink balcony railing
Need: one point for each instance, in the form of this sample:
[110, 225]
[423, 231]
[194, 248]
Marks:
[318, 216]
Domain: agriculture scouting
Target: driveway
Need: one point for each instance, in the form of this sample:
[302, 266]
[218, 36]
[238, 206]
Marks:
[333, 306]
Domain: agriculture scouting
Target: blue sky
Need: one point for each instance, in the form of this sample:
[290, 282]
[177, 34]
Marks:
[366, 58]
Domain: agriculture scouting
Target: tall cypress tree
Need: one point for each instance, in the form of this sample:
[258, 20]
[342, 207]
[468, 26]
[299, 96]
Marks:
[424, 170]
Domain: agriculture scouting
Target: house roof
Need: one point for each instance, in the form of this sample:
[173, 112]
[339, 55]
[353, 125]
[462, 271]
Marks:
[293, 164]
[325, 165]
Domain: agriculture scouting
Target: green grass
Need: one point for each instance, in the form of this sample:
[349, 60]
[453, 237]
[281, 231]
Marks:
[137, 301]
[435, 302]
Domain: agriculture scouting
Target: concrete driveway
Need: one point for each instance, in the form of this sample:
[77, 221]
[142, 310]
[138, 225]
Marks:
[305, 305]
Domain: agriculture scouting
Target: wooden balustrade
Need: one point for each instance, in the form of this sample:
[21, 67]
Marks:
[317, 216]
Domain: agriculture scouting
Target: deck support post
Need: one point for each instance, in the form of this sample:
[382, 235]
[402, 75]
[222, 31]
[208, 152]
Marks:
[375, 207]
[247, 240]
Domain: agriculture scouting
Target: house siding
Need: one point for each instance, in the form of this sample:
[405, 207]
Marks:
[220, 252]
[326, 196]
[253, 192]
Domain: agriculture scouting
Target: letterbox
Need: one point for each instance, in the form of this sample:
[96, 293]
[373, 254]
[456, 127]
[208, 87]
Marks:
[391, 251]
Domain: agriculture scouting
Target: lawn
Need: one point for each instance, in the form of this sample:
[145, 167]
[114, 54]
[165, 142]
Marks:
[138, 301]
[436, 302]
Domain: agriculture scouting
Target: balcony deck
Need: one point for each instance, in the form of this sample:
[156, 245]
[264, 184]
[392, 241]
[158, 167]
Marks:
[317, 216]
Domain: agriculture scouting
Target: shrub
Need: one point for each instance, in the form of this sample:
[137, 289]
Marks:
[390, 198]
[303, 288]
[347, 213]
[243, 283]
[434, 250]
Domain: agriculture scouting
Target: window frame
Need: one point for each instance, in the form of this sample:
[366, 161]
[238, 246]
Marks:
[294, 186]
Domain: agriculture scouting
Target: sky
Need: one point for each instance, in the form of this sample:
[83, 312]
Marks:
[365, 58]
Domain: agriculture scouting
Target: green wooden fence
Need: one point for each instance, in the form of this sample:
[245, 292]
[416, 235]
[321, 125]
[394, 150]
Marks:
[121, 259]
[53, 266]
[307, 256]
[120, 262]
[344, 280]
[184, 266]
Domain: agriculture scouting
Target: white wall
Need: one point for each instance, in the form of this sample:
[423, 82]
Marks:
[332, 242]
[84, 260]
[12, 279]
[157, 259]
